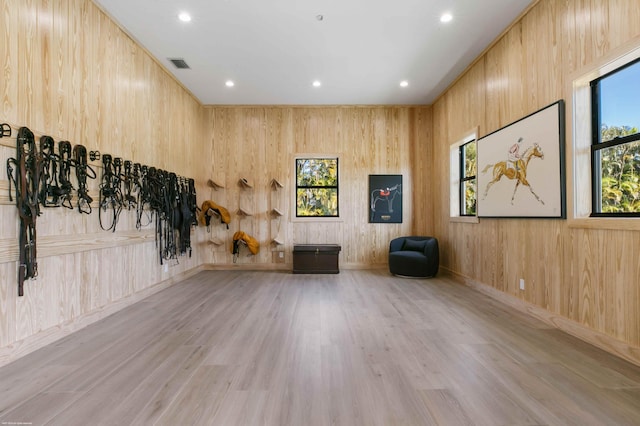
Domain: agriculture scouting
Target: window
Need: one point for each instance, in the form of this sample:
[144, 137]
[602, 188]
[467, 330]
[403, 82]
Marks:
[468, 179]
[462, 178]
[581, 179]
[317, 187]
[615, 146]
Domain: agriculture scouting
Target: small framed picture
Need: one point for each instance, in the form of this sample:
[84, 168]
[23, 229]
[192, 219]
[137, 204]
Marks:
[385, 198]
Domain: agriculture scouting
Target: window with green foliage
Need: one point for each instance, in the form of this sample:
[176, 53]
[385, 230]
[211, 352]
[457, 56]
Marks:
[468, 179]
[317, 187]
[615, 149]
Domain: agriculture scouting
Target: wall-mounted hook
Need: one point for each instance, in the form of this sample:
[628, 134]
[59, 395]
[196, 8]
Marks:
[5, 130]
[94, 155]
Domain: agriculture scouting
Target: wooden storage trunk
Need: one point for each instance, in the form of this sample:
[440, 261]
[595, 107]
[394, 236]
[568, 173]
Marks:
[316, 258]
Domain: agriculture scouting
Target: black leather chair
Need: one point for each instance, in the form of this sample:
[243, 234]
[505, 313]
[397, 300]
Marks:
[414, 256]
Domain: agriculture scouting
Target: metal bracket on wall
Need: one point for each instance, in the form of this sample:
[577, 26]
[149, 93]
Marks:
[5, 130]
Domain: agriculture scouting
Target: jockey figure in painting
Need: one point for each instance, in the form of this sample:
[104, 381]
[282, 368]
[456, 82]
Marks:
[514, 155]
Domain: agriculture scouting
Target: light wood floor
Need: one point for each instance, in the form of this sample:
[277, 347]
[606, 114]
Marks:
[358, 348]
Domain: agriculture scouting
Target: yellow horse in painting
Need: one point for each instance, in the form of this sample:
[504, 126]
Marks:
[519, 173]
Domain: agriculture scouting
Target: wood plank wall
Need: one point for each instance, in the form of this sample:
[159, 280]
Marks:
[69, 72]
[260, 144]
[589, 276]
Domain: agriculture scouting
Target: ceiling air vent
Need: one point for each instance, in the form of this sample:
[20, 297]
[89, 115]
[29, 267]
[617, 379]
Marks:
[179, 63]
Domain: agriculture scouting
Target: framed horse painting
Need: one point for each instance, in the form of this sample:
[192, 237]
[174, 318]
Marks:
[385, 198]
[521, 170]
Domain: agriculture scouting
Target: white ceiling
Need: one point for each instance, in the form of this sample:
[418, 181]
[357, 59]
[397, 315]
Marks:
[274, 49]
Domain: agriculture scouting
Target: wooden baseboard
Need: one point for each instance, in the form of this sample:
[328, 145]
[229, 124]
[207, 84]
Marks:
[603, 341]
[32, 343]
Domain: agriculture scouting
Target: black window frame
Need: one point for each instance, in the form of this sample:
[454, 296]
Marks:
[336, 187]
[463, 179]
[597, 145]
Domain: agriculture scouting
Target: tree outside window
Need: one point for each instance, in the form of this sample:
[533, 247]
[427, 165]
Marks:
[317, 187]
[468, 179]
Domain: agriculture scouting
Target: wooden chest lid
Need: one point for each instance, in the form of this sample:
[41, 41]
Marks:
[316, 248]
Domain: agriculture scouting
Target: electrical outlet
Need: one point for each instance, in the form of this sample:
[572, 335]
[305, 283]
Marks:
[166, 267]
[521, 283]
[278, 257]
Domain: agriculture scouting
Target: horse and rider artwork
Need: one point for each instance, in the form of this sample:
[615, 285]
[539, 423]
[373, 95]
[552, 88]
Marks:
[515, 168]
[521, 167]
[385, 198]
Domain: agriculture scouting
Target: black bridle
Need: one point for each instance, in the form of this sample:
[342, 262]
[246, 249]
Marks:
[83, 171]
[38, 176]
[110, 191]
[172, 200]
[28, 168]
[64, 176]
[143, 196]
[49, 191]
[188, 210]
[130, 183]
[55, 183]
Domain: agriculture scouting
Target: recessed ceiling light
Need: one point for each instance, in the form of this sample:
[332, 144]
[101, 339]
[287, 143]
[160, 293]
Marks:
[184, 17]
[404, 83]
[229, 83]
[446, 17]
[317, 83]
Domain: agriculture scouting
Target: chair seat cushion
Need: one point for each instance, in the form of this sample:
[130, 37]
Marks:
[408, 254]
[413, 245]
